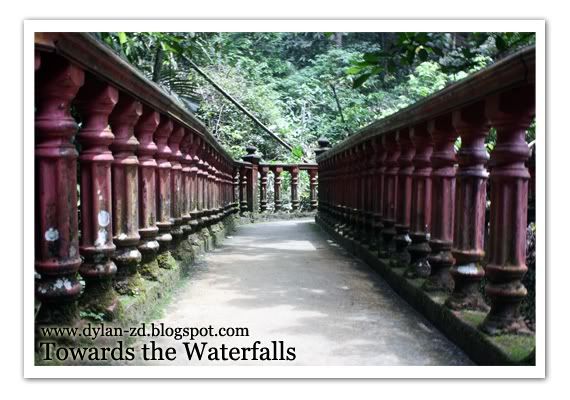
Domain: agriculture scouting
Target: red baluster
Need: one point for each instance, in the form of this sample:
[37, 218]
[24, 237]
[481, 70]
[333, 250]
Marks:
[95, 102]
[378, 188]
[420, 221]
[443, 204]
[294, 188]
[124, 174]
[186, 201]
[176, 184]
[313, 188]
[468, 239]
[263, 170]
[163, 192]
[390, 194]
[56, 245]
[404, 196]
[148, 246]
[277, 187]
[511, 114]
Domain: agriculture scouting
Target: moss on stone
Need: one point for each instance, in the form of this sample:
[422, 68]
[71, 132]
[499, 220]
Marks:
[100, 299]
[130, 285]
[166, 261]
[150, 269]
[473, 318]
[517, 347]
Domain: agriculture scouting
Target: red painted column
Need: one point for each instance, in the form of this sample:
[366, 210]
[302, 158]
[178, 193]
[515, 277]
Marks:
[349, 197]
[263, 170]
[511, 114]
[420, 221]
[359, 208]
[176, 188]
[369, 191]
[95, 102]
[313, 188]
[57, 257]
[378, 187]
[186, 201]
[194, 183]
[125, 191]
[390, 194]
[236, 189]
[163, 191]
[243, 188]
[443, 162]
[294, 188]
[277, 187]
[470, 198]
[404, 195]
[144, 131]
[206, 189]
[201, 178]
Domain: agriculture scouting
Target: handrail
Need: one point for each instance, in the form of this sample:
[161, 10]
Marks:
[97, 58]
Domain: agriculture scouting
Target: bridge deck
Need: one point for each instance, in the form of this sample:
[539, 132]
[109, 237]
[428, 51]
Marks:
[286, 281]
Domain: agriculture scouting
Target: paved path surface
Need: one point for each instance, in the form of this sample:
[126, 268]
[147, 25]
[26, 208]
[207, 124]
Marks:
[286, 281]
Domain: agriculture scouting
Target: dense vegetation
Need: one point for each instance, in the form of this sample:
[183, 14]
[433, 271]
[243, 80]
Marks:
[306, 85]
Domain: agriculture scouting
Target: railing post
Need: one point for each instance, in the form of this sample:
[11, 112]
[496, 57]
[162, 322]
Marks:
[186, 201]
[420, 222]
[263, 170]
[95, 102]
[469, 232]
[176, 184]
[404, 196]
[369, 191]
[511, 114]
[57, 257]
[277, 187]
[313, 188]
[195, 179]
[378, 187]
[236, 189]
[163, 192]
[144, 131]
[442, 204]
[294, 187]
[390, 192]
[252, 194]
[124, 176]
[243, 189]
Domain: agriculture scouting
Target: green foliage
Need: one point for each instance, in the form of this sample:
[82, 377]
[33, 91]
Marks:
[307, 85]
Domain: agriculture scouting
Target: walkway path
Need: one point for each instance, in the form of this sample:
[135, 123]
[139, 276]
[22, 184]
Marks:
[286, 281]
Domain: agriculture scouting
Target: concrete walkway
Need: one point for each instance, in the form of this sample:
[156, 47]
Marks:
[285, 281]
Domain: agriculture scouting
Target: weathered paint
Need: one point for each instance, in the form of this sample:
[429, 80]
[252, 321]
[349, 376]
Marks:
[511, 114]
[56, 257]
[95, 102]
[470, 199]
[443, 161]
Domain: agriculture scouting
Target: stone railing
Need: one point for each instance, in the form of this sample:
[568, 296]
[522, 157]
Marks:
[399, 189]
[126, 180]
[116, 194]
[252, 177]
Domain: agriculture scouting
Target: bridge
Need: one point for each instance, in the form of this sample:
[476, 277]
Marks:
[406, 251]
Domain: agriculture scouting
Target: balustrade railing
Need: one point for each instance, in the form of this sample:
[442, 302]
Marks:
[399, 187]
[124, 174]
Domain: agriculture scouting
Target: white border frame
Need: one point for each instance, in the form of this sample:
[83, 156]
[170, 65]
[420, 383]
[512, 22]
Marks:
[282, 25]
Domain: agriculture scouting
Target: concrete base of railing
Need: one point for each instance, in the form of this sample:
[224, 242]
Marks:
[459, 326]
